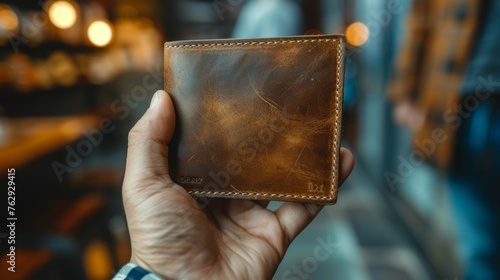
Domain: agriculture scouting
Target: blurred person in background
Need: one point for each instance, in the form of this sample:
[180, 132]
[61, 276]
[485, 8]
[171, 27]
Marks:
[447, 92]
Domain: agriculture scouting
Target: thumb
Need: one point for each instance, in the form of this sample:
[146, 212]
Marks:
[147, 155]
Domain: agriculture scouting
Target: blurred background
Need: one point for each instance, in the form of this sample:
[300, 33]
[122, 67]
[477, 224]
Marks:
[76, 75]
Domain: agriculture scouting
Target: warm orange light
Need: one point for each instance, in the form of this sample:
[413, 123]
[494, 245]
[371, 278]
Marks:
[62, 14]
[7, 74]
[357, 34]
[8, 19]
[100, 33]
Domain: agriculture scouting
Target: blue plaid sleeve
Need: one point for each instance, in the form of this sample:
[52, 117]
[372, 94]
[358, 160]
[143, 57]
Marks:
[131, 271]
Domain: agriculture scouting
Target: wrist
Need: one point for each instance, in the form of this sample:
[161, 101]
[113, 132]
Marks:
[139, 262]
[132, 271]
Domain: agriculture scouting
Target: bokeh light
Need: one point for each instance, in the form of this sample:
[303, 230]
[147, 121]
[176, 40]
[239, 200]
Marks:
[62, 14]
[100, 33]
[8, 19]
[357, 34]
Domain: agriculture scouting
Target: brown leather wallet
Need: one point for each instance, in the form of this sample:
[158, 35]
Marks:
[257, 118]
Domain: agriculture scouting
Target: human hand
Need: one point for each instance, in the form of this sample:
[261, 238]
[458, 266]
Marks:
[172, 237]
[409, 115]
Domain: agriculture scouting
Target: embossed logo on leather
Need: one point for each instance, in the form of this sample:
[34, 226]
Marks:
[312, 187]
[190, 179]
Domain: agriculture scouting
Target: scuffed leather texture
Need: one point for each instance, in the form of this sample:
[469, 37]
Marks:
[257, 119]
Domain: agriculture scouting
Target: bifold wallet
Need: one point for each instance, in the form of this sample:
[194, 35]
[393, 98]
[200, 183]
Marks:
[257, 119]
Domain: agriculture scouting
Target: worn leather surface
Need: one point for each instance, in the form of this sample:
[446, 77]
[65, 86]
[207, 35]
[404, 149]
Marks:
[257, 119]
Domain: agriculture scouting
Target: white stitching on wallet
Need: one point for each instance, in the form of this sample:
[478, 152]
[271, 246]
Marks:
[270, 42]
[338, 120]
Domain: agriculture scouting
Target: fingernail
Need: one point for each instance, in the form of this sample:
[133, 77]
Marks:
[155, 99]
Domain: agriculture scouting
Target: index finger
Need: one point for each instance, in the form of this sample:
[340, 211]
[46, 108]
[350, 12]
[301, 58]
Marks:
[294, 217]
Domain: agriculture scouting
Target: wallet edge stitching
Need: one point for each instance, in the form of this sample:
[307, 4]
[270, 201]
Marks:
[273, 42]
[338, 122]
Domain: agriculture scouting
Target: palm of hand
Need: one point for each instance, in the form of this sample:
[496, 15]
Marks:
[229, 239]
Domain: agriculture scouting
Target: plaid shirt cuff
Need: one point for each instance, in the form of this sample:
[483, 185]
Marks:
[131, 271]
